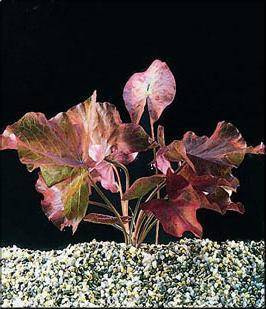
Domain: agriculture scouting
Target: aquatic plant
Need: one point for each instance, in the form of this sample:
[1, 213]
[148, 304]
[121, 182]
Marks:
[88, 147]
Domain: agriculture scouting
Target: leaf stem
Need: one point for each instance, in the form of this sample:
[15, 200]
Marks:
[156, 172]
[145, 233]
[141, 215]
[99, 204]
[124, 204]
[132, 223]
[108, 203]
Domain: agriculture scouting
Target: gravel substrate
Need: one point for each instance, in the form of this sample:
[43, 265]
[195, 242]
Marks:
[188, 273]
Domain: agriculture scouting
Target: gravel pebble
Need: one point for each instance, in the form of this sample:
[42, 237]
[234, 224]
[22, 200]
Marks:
[189, 273]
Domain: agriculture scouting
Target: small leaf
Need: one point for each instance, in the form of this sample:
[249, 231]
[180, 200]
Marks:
[219, 200]
[131, 138]
[156, 87]
[104, 219]
[161, 162]
[142, 186]
[8, 140]
[104, 173]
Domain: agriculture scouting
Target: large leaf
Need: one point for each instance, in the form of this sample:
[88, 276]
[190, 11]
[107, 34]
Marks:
[143, 186]
[79, 139]
[104, 219]
[156, 87]
[225, 148]
[65, 203]
[213, 192]
[83, 136]
[215, 155]
[38, 143]
[55, 174]
[177, 215]
[186, 193]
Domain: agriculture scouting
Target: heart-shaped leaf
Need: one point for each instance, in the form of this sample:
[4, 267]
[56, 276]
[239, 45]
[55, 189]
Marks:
[155, 87]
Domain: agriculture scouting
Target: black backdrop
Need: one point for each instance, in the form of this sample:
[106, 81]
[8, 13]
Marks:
[55, 53]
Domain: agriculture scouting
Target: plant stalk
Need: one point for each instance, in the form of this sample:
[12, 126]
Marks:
[109, 204]
[156, 172]
[124, 204]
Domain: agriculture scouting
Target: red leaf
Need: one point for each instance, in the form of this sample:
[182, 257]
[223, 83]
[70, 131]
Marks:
[214, 192]
[104, 219]
[219, 200]
[214, 156]
[156, 87]
[175, 184]
[226, 147]
[8, 140]
[82, 137]
[178, 215]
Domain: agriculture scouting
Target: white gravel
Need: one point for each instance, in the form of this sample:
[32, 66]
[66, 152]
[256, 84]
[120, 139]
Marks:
[188, 273]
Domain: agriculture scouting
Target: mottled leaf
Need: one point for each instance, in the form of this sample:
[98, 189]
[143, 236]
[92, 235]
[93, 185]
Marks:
[226, 147]
[65, 203]
[156, 87]
[130, 139]
[142, 186]
[215, 155]
[220, 201]
[54, 174]
[39, 144]
[175, 184]
[104, 173]
[82, 138]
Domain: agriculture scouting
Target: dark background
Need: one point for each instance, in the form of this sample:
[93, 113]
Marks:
[54, 54]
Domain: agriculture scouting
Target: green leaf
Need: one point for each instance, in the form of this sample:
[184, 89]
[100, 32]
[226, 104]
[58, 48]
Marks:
[66, 202]
[55, 174]
[142, 186]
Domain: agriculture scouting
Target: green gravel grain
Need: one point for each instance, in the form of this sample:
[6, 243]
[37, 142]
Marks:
[188, 273]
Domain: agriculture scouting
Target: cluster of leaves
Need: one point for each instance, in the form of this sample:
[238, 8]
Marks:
[89, 144]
